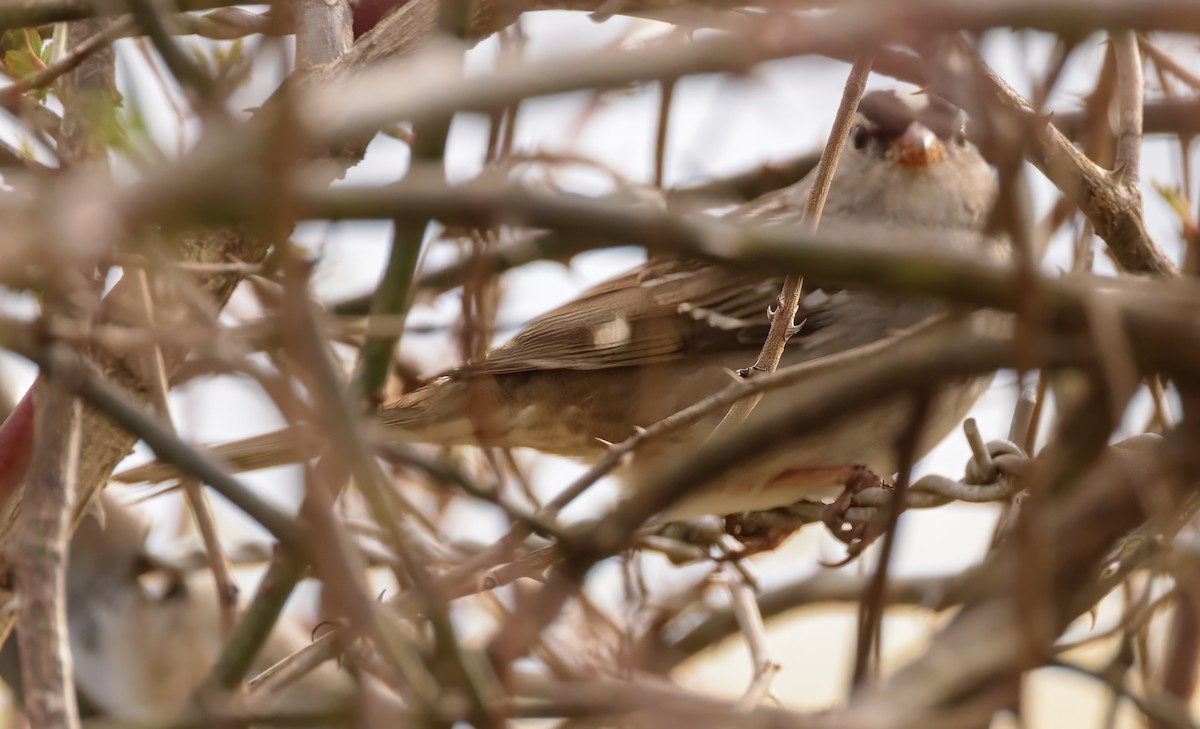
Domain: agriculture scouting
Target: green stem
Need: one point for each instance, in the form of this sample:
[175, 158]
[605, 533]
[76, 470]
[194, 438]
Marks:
[391, 298]
[394, 294]
[256, 625]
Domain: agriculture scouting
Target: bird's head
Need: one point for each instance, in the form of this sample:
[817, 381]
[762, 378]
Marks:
[908, 160]
[909, 130]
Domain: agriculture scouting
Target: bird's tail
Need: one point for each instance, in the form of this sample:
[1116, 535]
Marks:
[279, 448]
[431, 414]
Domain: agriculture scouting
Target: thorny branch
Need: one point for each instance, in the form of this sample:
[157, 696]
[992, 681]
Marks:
[783, 316]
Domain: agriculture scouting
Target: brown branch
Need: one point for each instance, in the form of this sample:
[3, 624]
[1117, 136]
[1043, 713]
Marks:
[41, 564]
[1181, 656]
[837, 254]
[356, 98]
[783, 317]
[871, 608]
[1096, 508]
[30, 13]
[159, 393]
[323, 31]
[824, 587]
[1130, 90]
[1164, 61]
[1114, 209]
[111, 403]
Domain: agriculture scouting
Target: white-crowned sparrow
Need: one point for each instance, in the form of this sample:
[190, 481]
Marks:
[639, 347]
[144, 634]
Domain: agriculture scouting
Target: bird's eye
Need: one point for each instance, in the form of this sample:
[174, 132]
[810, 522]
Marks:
[859, 135]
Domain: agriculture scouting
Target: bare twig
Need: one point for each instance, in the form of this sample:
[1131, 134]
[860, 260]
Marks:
[870, 629]
[1166, 62]
[783, 316]
[116, 405]
[252, 630]
[1162, 711]
[1130, 89]
[750, 621]
[41, 564]
[30, 13]
[201, 509]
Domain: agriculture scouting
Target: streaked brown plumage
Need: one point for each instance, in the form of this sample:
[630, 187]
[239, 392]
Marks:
[648, 343]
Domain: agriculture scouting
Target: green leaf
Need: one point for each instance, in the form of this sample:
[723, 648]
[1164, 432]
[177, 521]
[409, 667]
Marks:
[21, 63]
[1173, 196]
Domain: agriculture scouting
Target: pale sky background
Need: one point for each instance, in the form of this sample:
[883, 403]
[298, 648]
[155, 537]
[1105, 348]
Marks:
[719, 126]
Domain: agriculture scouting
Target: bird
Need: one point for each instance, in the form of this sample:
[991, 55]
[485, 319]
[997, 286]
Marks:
[648, 343]
[144, 632]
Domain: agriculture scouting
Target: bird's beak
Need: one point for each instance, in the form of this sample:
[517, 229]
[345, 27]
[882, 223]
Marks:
[917, 147]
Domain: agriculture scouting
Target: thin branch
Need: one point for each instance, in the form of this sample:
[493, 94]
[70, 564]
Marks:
[750, 621]
[10, 96]
[1097, 507]
[366, 103]
[826, 586]
[662, 129]
[252, 630]
[837, 253]
[226, 589]
[30, 13]
[870, 629]
[1130, 90]
[1162, 711]
[783, 316]
[1166, 62]
[41, 564]
[117, 406]
[183, 67]
[1114, 210]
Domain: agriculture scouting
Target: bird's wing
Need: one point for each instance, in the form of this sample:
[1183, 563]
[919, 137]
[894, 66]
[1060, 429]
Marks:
[663, 310]
[669, 309]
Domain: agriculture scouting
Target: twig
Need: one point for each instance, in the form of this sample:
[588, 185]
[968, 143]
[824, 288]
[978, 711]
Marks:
[30, 13]
[293, 667]
[1181, 658]
[667, 95]
[252, 630]
[871, 609]
[1022, 420]
[242, 269]
[825, 586]
[1161, 710]
[1097, 507]
[750, 621]
[394, 293]
[41, 563]
[333, 718]
[750, 184]
[783, 316]
[1164, 60]
[1130, 90]
[350, 455]
[182, 66]
[979, 450]
[10, 96]
[225, 587]
[169, 447]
